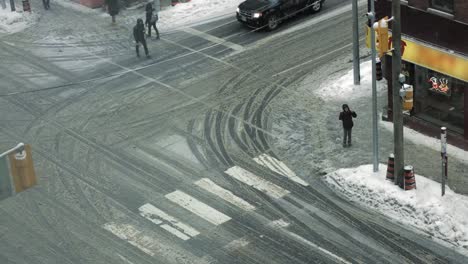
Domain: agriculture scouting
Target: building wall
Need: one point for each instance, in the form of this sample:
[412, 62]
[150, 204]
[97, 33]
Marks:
[461, 11]
[428, 27]
[446, 33]
[419, 4]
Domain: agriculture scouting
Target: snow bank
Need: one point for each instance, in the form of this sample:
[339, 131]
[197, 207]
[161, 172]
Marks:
[444, 217]
[11, 22]
[343, 88]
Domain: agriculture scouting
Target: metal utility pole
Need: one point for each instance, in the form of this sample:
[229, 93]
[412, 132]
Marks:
[397, 107]
[12, 5]
[357, 71]
[375, 131]
[443, 152]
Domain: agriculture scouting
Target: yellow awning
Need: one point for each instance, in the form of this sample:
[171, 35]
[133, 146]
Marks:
[432, 58]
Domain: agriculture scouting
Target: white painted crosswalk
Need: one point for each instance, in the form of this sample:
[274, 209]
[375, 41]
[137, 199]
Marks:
[195, 206]
[258, 183]
[133, 236]
[224, 194]
[185, 232]
[279, 167]
[156, 216]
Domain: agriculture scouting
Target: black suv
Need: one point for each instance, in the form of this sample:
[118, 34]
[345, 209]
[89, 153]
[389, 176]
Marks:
[269, 13]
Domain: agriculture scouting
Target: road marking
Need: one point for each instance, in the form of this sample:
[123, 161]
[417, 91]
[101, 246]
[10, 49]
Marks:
[175, 232]
[307, 242]
[226, 195]
[280, 223]
[133, 236]
[315, 21]
[214, 39]
[258, 183]
[124, 259]
[195, 206]
[237, 244]
[152, 213]
[279, 167]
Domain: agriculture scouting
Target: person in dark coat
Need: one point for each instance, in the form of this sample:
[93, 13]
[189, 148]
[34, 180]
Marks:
[347, 118]
[139, 35]
[112, 8]
[151, 19]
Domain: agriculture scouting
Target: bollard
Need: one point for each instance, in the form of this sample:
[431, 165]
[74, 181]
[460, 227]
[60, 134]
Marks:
[390, 168]
[410, 180]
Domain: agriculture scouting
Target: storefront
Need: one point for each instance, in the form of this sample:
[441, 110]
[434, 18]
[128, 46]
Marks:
[440, 82]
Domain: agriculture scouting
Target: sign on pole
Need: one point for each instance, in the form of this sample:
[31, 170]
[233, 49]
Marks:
[443, 153]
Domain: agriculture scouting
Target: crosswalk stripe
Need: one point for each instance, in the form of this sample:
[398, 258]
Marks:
[226, 195]
[133, 236]
[175, 232]
[278, 167]
[258, 183]
[195, 206]
[152, 213]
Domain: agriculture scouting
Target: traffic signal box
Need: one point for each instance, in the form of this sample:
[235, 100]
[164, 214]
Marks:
[381, 36]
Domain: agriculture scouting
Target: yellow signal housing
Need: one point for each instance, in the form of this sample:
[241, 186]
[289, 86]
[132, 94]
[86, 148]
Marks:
[382, 36]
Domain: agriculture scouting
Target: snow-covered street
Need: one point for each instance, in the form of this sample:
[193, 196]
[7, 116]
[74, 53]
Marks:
[222, 146]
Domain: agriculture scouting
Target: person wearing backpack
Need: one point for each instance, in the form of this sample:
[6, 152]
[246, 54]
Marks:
[151, 19]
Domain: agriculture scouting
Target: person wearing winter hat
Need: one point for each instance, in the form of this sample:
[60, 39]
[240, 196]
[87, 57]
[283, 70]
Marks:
[347, 118]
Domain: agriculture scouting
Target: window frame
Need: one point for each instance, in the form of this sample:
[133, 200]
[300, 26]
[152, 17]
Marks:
[434, 5]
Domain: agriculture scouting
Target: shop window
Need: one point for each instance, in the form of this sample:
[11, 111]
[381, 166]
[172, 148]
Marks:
[444, 100]
[443, 5]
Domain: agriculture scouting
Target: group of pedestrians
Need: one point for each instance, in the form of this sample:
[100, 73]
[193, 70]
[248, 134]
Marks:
[139, 29]
[139, 32]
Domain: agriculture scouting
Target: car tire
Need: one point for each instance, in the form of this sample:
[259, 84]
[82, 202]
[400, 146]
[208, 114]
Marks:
[272, 22]
[315, 6]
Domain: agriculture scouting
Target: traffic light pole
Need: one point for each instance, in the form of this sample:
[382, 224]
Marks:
[397, 104]
[375, 131]
[357, 77]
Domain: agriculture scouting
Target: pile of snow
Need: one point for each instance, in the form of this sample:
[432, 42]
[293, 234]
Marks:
[444, 217]
[11, 22]
[343, 88]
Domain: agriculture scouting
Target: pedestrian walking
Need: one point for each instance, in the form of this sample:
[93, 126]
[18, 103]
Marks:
[113, 8]
[151, 19]
[347, 118]
[139, 35]
[46, 4]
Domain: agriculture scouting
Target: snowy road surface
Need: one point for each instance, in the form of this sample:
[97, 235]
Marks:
[203, 153]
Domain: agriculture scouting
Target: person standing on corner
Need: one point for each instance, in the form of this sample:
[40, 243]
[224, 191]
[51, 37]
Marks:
[347, 118]
[139, 35]
[112, 8]
[151, 19]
